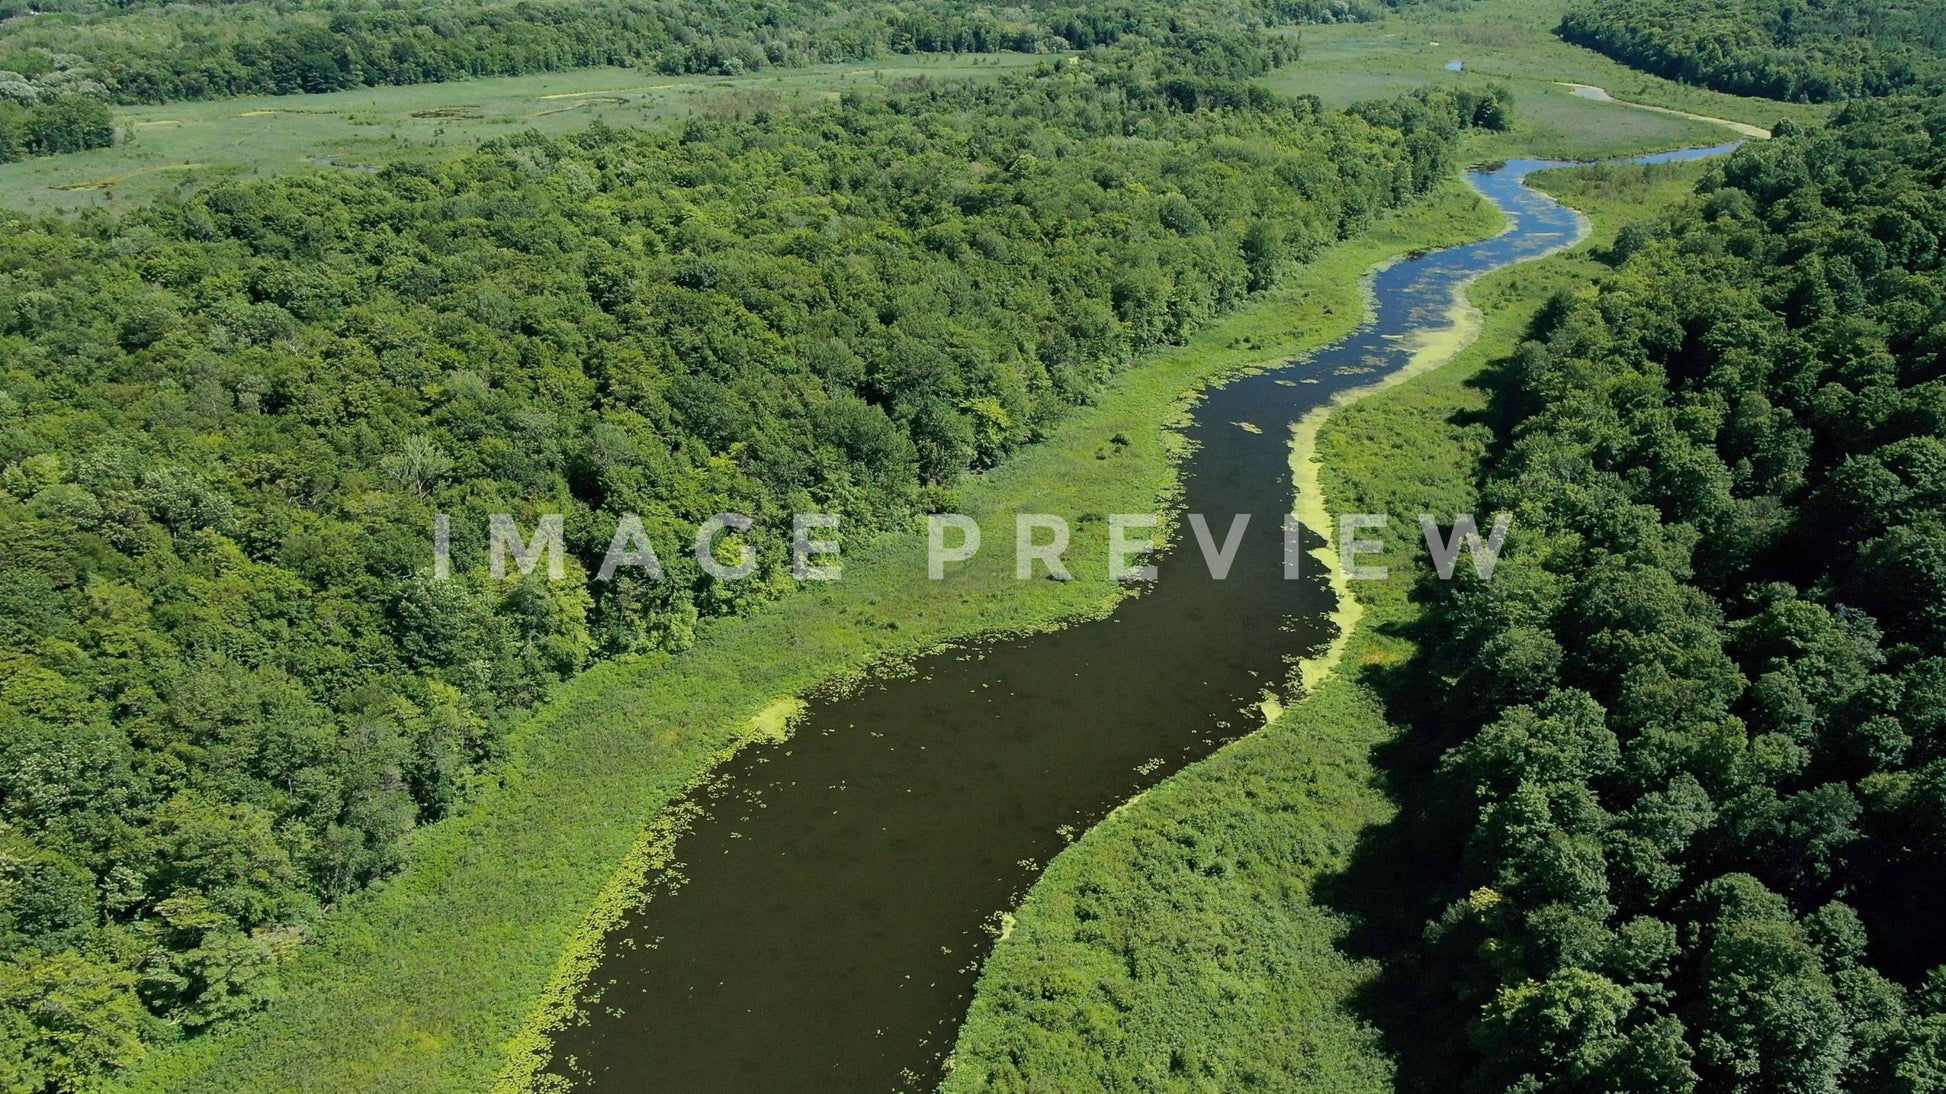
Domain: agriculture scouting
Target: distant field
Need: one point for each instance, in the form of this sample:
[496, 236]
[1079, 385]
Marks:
[187, 145]
[1512, 42]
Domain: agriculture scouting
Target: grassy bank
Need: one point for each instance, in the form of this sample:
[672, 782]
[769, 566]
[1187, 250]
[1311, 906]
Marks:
[424, 983]
[1184, 943]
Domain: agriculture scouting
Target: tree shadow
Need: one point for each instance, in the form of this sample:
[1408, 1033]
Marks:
[1396, 876]
[1400, 874]
[1507, 404]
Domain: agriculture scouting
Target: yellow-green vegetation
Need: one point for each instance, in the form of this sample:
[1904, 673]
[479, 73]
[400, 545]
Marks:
[1431, 348]
[177, 147]
[430, 980]
[1183, 943]
[1512, 42]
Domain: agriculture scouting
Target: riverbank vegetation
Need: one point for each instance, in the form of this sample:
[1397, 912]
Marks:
[1796, 50]
[234, 691]
[426, 978]
[1184, 942]
[1658, 806]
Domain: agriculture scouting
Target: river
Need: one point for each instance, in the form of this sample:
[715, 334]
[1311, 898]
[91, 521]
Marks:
[839, 889]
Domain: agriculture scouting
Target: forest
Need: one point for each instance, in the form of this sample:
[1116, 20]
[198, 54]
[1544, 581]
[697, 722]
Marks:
[1694, 729]
[230, 684]
[61, 123]
[1795, 50]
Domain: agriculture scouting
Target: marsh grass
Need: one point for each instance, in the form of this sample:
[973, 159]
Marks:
[1512, 42]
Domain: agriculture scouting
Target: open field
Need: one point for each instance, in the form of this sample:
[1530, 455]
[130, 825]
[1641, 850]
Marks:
[181, 146]
[1512, 42]
[1193, 940]
[423, 982]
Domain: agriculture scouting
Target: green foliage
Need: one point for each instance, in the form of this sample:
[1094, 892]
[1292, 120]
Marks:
[1796, 50]
[231, 685]
[1725, 483]
[426, 979]
[66, 1020]
[65, 123]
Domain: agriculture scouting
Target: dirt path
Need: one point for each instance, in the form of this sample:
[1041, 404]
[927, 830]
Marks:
[1590, 91]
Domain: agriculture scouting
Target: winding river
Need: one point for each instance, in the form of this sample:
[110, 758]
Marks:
[839, 889]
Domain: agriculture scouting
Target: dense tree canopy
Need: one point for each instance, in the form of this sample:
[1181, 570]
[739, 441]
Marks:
[1800, 50]
[1707, 686]
[229, 679]
[61, 123]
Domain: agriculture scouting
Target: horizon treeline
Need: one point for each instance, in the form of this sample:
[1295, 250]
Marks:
[227, 421]
[1697, 721]
[1795, 50]
[152, 53]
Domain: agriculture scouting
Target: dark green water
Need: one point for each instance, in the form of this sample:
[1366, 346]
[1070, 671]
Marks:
[833, 901]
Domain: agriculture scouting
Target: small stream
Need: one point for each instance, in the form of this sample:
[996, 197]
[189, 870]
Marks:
[839, 889]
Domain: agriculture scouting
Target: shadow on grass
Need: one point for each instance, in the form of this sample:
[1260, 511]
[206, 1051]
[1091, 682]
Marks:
[1402, 874]
[1507, 404]
[1396, 879]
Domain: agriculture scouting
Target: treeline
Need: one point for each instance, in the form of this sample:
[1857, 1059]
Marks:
[150, 53]
[1703, 766]
[1798, 50]
[69, 123]
[229, 681]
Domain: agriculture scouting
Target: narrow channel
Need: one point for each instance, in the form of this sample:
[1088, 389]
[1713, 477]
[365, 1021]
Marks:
[838, 890]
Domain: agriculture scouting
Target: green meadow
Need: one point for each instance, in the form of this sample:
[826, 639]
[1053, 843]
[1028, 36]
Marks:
[1192, 941]
[1512, 42]
[176, 147]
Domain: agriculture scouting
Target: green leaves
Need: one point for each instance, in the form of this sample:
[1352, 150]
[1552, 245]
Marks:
[65, 1021]
[1739, 543]
[61, 123]
[1781, 49]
